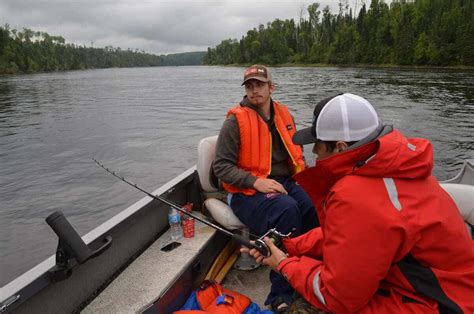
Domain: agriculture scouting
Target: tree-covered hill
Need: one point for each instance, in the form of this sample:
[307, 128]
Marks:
[185, 58]
[404, 32]
[28, 51]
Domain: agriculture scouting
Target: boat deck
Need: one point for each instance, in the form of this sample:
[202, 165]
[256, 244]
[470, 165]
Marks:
[253, 283]
[138, 287]
[150, 275]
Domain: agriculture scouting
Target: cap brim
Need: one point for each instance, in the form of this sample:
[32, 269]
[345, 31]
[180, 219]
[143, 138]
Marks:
[261, 79]
[304, 136]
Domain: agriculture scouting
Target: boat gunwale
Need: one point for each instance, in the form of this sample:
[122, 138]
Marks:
[38, 276]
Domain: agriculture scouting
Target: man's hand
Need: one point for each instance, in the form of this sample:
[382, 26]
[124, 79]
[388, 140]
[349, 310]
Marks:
[273, 260]
[269, 186]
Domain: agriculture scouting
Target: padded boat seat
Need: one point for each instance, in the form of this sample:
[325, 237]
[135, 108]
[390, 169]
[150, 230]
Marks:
[463, 196]
[214, 197]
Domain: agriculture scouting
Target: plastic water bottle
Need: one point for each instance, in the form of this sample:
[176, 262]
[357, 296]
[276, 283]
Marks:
[174, 220]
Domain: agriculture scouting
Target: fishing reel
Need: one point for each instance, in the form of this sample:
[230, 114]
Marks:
[277, 239]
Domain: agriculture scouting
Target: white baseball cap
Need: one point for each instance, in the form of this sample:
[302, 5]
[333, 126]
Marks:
[344, 117]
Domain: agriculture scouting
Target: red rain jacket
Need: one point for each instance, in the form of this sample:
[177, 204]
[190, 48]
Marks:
[391, 239]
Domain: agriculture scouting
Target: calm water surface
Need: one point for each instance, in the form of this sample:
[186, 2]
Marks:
[145, 123]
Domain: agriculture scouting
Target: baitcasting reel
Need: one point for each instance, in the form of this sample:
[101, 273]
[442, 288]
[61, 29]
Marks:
[277, 239]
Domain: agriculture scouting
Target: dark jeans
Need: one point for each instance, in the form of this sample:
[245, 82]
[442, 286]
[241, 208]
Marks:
[286, 213]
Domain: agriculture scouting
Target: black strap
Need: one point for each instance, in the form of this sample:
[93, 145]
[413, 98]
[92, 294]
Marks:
[424, 281]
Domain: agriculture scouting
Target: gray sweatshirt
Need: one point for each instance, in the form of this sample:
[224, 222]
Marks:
[227, 152]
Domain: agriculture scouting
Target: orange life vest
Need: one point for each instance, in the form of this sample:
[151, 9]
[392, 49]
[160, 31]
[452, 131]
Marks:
[255, 153]
[213, 298]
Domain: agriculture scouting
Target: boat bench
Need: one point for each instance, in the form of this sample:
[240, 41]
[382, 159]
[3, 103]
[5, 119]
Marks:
[148, 277]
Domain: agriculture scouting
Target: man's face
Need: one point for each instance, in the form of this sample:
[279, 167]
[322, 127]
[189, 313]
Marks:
[258, 93]
[321, 150]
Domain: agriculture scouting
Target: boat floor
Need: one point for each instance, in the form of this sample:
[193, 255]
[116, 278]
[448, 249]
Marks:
[253, 283]
[149, 276]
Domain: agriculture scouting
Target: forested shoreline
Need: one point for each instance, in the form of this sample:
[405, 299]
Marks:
[404, 32]
[28, 51]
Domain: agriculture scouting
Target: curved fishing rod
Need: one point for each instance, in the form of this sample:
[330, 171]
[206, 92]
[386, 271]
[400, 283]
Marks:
[259, 244]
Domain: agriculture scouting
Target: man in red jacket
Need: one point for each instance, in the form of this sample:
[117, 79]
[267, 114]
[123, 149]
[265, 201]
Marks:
[391, 239]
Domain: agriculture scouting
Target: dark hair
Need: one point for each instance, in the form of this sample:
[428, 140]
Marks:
[331, 145]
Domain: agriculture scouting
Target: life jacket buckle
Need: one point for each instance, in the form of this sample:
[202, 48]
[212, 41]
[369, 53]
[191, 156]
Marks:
[225, 299]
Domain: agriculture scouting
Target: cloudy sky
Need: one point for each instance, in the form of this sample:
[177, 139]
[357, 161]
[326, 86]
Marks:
[156, 26]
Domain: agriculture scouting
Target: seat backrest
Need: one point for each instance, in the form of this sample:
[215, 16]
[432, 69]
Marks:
[215, 197]
[463, 196]
[206, 155]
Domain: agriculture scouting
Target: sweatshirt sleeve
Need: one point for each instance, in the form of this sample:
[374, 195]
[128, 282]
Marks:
[227, 154]
[358, 249]
[308, 244]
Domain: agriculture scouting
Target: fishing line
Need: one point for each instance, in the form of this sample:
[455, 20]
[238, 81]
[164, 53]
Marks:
[259, 244]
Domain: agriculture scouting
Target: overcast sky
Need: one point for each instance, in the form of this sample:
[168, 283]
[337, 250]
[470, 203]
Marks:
[155, 26]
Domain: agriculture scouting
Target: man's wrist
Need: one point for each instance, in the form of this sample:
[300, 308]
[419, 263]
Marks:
[285, 261]
[251, 181]
[281, 263]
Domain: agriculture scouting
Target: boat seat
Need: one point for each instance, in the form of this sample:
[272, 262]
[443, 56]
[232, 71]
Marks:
[215, 197]
[463, 196]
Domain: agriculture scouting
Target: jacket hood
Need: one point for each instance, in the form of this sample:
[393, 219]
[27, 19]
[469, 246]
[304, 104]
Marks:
[390, 156]
[399, 157]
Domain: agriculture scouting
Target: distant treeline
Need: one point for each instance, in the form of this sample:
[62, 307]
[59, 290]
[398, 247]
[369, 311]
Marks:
[416, 32]
[28, 51]
[186, 58]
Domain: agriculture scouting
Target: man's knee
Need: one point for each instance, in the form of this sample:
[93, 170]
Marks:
[285, 215]
[287, 205]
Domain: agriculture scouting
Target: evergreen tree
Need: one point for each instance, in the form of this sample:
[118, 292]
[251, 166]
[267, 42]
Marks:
[28, 51]
[406, 32]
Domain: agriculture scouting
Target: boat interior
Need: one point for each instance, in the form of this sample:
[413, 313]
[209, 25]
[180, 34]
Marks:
[142, 272]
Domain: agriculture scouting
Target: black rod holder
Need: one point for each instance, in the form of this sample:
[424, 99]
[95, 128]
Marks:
[70, 246]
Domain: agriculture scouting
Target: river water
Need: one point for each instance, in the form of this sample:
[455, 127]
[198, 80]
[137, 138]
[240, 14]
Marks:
[145, 123]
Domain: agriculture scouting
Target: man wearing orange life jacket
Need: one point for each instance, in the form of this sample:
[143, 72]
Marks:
[255, 159]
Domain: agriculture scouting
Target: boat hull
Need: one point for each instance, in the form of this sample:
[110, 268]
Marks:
[133, 231]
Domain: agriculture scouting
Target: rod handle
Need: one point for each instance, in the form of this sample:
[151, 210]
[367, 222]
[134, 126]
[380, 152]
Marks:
[259, 245]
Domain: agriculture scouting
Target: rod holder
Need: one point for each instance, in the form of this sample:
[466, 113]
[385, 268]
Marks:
[70, 246]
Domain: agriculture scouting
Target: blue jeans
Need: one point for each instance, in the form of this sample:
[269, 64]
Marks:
[286, 213]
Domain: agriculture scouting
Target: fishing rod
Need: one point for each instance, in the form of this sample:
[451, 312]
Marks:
[258, 244]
